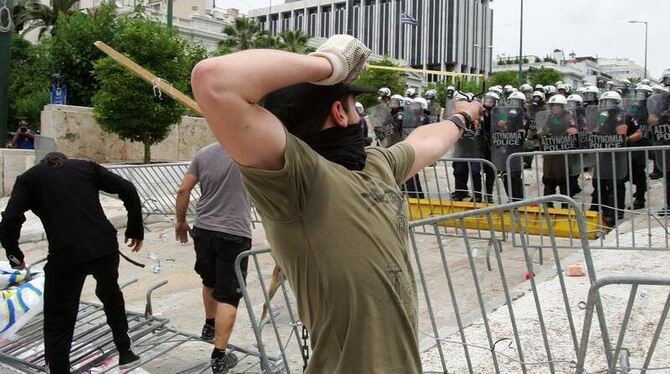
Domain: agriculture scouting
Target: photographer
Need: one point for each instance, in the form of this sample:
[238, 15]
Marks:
[24, 137]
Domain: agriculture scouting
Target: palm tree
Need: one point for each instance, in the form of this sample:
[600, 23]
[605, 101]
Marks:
[294, 41]
[243, 34]
[36, 15]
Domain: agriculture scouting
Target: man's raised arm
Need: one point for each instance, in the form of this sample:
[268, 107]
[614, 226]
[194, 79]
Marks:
[228, 89]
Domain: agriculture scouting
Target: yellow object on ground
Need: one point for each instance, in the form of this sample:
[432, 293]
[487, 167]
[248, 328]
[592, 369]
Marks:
[532, 220]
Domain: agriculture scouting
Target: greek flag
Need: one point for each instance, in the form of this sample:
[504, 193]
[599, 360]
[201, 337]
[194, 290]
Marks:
[409, 20]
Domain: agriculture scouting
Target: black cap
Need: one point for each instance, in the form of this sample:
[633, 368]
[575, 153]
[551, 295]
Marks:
[304, 107]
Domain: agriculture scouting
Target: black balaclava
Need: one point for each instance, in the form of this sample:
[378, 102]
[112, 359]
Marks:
[342, 145]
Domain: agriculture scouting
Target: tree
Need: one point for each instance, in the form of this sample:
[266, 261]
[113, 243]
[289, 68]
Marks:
[378, 78]
[74, 55]
[126, 105]
[243, 33]
[544, 76]
[504, 78]
[36, 15]
[29, 80]
[294, 41]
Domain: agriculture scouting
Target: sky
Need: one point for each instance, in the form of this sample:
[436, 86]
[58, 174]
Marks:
[587, 27]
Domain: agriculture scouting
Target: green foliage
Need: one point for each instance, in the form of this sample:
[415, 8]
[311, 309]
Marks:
[543, 76]
[294, 41]
[29, 81]
[126, 105]
[41, 16]
[504, 77]
[73, 53]
[378, 78]
[244, 33]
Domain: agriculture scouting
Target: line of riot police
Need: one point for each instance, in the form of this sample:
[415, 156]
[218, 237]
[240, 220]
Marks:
[546, 118]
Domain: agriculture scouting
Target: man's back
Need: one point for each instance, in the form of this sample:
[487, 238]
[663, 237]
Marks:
[72, 191]
[223, 205]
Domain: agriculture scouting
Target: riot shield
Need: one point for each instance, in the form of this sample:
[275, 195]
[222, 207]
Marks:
[448, 109]
[381, 121]
[627, 105]
[411, 118]
[603, 135]
[658, 107]
[554, 131]
[435, 111]
[507, 136]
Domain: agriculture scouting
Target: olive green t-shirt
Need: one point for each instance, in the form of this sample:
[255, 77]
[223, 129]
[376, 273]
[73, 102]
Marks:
[340, 237]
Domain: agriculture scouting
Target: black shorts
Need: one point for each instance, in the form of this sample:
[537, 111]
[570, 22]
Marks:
[215, 254]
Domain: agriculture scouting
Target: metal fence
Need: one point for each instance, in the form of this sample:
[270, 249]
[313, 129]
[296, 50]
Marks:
[522, 316]
[619, 358]
[433, 192]
[606, 183]
[272, 316]
[157, 185]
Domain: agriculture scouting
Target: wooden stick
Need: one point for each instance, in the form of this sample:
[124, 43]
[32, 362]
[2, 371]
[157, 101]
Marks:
[149, 77]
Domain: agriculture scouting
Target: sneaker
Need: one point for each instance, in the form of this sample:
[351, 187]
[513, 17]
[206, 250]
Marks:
[207, 333]
[127, 358]
[223, 364]
[656, 175]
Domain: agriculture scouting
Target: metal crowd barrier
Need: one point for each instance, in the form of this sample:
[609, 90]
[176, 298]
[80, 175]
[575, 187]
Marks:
[430, 192]
[278, 332]
[648, 225]
[521, 317]
[157, 185]
[619, 357]
[93, 346]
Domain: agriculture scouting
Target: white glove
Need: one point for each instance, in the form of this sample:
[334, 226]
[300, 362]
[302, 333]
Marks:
[346, 54]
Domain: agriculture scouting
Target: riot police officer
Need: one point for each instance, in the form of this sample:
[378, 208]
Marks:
[508, 126]
[658, 106]
[611, 170]
[639, 113]
[557, 131]
[384, 95]
[590, 96]
[536, 105]
[434, 108]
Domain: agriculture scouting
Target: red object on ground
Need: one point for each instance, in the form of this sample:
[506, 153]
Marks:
[529, 276]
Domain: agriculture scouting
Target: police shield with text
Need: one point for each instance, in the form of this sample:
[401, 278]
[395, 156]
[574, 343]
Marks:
[557, 131]
[380, 119]
[658, 106]
[508, 128]
[609, 130]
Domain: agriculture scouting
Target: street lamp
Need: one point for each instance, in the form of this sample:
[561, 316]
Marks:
[521, 45]
[646, 26]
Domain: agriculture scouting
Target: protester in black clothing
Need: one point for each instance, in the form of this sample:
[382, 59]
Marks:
[64, 194]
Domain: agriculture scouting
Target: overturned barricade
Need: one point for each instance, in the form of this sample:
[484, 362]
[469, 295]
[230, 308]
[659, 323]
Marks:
[93, 349]
[521, 316]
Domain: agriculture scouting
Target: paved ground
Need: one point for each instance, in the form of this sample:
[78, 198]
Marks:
[180, 299]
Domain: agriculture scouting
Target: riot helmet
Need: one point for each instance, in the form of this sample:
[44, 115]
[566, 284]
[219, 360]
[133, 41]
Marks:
[490, 100]
[557, 103]
[396, 102]
[538, 98]
[526, 88]
[360, 109]
[575, 101]
[516, 99]
[665, 78]
[610, 100]
[539, 87]
[609, 86]
[384, 94]
[642, 92]
[410, 92]
[430, 95]
[590, 94]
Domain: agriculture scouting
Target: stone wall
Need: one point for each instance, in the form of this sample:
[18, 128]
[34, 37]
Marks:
[78, 135]
[13, 162]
